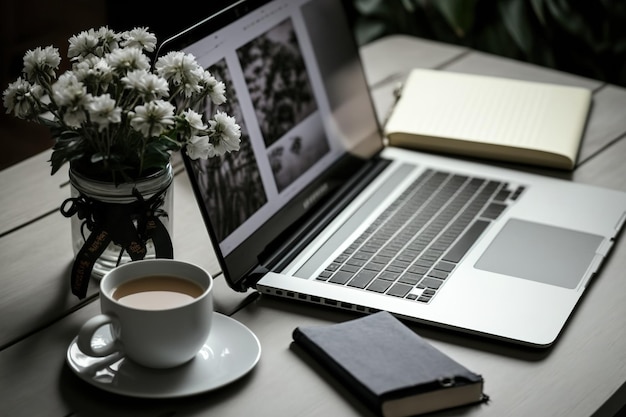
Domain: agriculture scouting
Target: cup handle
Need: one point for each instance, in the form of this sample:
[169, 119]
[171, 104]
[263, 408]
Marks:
[87, 331]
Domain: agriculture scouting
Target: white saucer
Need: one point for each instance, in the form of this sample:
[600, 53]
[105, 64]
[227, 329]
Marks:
[229, 353]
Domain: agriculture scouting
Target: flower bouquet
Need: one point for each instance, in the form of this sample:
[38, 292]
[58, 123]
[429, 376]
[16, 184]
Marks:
[116, 117]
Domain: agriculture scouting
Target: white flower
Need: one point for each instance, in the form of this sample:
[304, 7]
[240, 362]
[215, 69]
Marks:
[92, 43]
[199, 147]
[139, 38]
[21, 98]
[192, 85]
[41, 63]
[102, 111]
[182, 71]
[83, 45]
[128, 59]
[149, 86]
[70, 94]
[93, 69]
[108, 41]
[215, 89]
[67, 91]
[225, 133]
[153, 118]
[194, 120]
[74, 116]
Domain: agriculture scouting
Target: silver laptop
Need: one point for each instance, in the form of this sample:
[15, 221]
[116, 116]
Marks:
[315, 208]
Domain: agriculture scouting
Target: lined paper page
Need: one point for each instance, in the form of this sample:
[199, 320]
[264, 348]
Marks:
[491, 110]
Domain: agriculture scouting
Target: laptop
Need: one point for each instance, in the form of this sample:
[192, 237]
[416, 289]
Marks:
[315, 208]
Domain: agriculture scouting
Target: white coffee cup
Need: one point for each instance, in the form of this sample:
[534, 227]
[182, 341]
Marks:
[156, 319]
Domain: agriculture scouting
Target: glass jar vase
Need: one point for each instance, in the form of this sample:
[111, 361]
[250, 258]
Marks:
[112, 224]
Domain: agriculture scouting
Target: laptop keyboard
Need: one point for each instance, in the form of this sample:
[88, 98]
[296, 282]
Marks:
[414, 245]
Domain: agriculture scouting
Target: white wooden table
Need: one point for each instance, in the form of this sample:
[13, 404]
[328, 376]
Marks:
[583, 374]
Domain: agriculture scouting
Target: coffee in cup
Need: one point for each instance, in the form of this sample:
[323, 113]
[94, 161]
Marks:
[157, 292]
[160, 312]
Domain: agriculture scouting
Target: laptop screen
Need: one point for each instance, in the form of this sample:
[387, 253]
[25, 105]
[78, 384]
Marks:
[295, 85]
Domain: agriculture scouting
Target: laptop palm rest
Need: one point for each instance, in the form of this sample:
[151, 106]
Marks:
[541, 253]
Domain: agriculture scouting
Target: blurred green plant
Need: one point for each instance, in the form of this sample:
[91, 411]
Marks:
[585, 38]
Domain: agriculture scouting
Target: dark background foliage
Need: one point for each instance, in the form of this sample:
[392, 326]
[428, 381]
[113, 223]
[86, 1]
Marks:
[582, 37]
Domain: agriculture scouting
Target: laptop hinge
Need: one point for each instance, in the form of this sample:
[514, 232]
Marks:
[253, 277]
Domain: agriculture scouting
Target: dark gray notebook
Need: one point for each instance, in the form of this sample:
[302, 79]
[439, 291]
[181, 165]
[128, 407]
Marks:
[390, 368]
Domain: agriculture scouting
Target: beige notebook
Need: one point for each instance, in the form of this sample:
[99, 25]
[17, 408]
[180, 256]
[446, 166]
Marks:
[490, 117]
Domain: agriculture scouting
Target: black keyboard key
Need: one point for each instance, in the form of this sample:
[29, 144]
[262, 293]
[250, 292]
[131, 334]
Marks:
[424, 263]
[416, 269]
[341, 277]
[369, 249]
[431, 255]
[389, 275]
[361, 279]
[394, 268]
[466, 241]
[379, 285]
[502, 195]
[429, 282]
[493, 211]
[445, 266]
[349, 268]
[380, 259]
[518, 192]
[324, 275]
[333, 267]
[399, 290]
[341, 258]
[438, 274]
[364, 256]
[410, 278]
[407, 256]
[355, 262]
[373, 266]
[400, 264]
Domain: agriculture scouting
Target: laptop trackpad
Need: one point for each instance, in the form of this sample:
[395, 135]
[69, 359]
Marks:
[542, 253]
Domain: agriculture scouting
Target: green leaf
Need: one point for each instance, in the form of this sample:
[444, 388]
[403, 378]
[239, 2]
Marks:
[537, 6]
[56, 162]
[157, 153]
[369, 6]
[67, 147]
[458, 13]
[516, 17]
[366, 31]
[154, 161]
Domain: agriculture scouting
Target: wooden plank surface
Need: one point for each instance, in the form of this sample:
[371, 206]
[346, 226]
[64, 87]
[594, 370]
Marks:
[29, 191]
[577, 376]
[408, 52]
[606, 122]
[487, 64]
